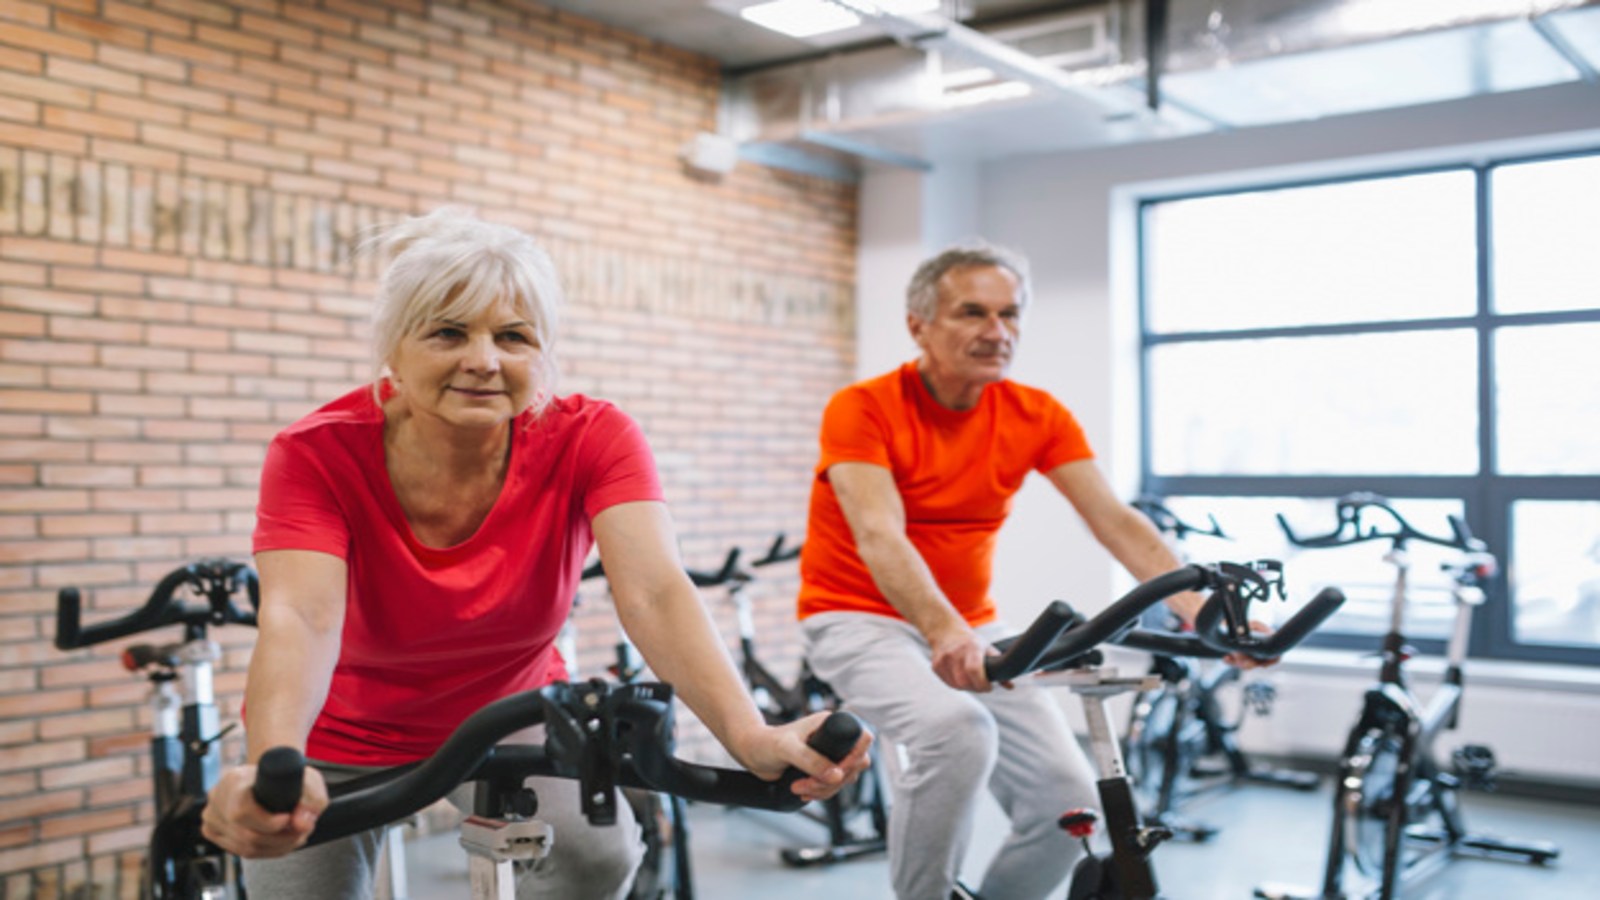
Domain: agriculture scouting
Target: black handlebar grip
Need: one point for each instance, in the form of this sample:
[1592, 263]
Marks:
[834, 738]
[279, 775]
[1324, 604]
[1025, 651]
[837, 735]
[69, 618]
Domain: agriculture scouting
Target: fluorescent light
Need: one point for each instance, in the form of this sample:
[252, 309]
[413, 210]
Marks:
[808, 18]
[988, 93]
[800, 18]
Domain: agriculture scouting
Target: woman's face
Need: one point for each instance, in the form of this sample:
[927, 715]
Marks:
[478, 373]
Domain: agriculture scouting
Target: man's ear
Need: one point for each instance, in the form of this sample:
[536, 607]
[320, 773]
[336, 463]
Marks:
[915, 325]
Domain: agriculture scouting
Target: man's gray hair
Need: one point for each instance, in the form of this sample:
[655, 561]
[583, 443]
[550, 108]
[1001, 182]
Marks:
[922, 294]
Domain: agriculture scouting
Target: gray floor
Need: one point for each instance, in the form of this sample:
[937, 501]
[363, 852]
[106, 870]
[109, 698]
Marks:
[1267, 835]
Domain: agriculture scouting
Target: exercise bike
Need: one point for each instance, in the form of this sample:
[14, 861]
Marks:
[1180, 743]
[1060, 646]
[856, 817]
[1396, 810]
[603, 735]
[666, 869]
[185, 754]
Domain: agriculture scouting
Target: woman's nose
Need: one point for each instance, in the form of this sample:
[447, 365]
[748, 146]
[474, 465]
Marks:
[481, 356]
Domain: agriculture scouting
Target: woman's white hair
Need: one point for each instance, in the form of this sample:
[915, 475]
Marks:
[450, 264]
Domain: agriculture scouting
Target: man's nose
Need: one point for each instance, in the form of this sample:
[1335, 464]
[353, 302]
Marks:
[995, 328]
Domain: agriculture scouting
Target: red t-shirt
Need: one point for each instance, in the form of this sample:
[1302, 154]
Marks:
[956, 472]
[431, 634]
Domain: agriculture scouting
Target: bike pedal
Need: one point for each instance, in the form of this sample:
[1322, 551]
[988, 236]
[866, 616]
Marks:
[1476, 766]
[1259, 697]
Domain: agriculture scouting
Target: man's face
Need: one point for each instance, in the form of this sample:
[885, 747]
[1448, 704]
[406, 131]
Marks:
[974, 330]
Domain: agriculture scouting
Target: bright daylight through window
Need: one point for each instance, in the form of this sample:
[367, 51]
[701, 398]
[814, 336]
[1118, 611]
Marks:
[1428, 336]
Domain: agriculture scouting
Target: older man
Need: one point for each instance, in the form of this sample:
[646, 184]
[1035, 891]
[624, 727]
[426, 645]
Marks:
[916, 476]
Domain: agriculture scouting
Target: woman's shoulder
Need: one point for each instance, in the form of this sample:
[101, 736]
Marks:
[356, 409]
[579, 414]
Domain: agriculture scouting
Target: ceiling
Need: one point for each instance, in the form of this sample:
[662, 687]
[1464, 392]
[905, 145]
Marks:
[713, 27]
[987, 79]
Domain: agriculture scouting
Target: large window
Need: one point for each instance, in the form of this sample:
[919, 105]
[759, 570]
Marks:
[1431, 336]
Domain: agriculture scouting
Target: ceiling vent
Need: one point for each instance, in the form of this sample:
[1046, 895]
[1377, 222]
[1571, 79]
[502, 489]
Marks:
[1083, 77]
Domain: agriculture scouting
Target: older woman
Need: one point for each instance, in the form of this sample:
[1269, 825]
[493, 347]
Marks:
[419, 543]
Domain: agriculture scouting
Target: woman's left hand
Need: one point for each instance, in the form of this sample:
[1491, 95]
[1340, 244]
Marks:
[771, 749]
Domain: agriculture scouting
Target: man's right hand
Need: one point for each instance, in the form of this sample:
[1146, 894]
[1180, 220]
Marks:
[958, 655]
[234, 821]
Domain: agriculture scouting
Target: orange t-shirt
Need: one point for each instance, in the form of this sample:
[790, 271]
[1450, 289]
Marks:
[956, 471]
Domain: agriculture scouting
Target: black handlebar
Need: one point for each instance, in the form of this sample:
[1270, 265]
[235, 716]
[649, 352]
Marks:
[1353, 530]
[216, 579]
[1166, 521]
[1059, 636]
[602, 735]
[777, 553]
[730, 572]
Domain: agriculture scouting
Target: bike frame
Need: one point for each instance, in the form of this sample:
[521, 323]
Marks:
[781, 703]
[1391, 708]
[1391, 712]
[1198, 728]
[626, 668]
[185, 751]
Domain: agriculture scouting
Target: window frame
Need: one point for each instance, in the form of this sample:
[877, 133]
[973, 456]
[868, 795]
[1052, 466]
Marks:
[1487, 496]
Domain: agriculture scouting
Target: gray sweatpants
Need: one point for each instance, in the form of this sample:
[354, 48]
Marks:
[585, 861]
[955, 743]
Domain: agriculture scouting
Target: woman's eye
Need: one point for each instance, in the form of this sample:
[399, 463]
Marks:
[446, 331]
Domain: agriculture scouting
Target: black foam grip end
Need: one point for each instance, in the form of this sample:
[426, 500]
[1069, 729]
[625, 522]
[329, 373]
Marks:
[69, 606]
[279, 775]
[836, 736]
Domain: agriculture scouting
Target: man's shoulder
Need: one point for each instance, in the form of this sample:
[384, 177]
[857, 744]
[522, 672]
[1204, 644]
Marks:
[1026, 395]
[887, 384]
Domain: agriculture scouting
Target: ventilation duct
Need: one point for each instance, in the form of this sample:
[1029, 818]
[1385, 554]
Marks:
[1081, 77]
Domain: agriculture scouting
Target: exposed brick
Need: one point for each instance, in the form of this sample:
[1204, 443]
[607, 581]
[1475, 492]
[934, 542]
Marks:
[235, 220]
[40, 804]
[218, 13]
[85, 525]
[319, 20]
[48, 41]
[41, 854]
[143, 262]
[234, 40]
[123, 12]
[85, 823]
[39, 703]
[86, 772]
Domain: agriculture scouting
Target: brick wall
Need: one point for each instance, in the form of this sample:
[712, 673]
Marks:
[180, 182]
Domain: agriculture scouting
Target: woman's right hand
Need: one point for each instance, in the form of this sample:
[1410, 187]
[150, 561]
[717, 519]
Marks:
[234, 821]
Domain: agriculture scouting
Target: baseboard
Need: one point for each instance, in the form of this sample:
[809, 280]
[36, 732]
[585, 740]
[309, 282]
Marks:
[1510, 784]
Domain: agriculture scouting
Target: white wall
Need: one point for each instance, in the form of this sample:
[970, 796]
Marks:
[1071, 213]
